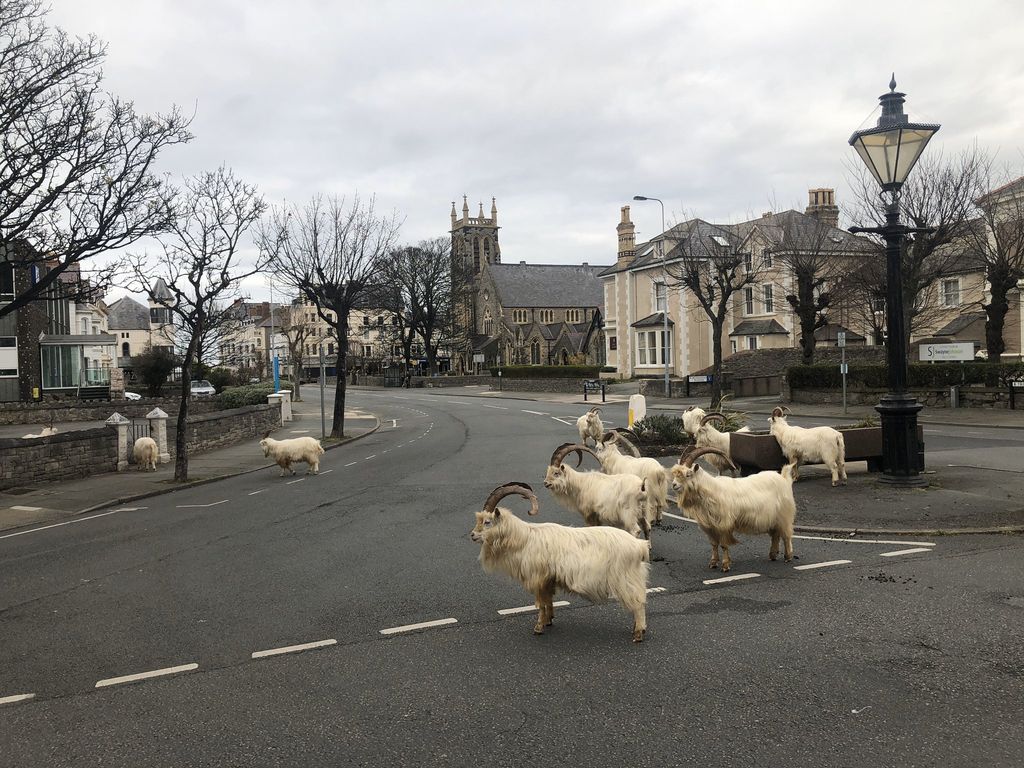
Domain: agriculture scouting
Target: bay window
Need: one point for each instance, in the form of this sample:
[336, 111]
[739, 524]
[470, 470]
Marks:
[651, 348]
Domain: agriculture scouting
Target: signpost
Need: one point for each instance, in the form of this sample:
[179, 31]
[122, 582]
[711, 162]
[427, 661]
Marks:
[935, 353]
[841, 341]
[323, 383]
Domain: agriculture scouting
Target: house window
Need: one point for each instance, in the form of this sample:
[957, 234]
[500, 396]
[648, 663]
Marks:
[751, 342]
[748, 301]
[767, 259]
[769, 299]
[61, 366]
[748, 263]
[8, 356]
[366, 333]
[613, 342]
[330, 348]
[125, 350]
[648, 351]
[6, 282]
[660, 297]
[951, 293]
[732, 344]
[85, 326]
[367, 350]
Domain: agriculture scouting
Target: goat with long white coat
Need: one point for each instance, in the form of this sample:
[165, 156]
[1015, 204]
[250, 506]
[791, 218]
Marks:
[615, 462]
[810, 445]
[707, 436]
[45, 432]
[615, 500]
[595, 563]
[293, 451]
[692, 418]
[725, 506]
[146, 453]
[590, 425]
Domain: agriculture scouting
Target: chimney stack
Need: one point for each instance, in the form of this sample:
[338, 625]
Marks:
[627, 239]
[821, 203]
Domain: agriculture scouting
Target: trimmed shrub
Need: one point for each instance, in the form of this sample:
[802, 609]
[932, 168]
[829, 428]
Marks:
[919, 375]
[548, 371]
[661, 429]
[250, 394]
[221, 378]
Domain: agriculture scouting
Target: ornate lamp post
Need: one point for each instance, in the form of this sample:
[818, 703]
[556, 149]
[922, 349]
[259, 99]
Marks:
[890, 150]
[666, 346]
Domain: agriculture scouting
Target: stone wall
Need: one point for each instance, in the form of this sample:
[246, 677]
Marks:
[59, 457]
[209, 431]
[73, 410]
[569, 386]
[429, 382]
[970, 397]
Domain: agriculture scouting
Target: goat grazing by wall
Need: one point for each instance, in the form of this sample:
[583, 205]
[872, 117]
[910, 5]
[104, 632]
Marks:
[145, 453]
[595, 563]
[724, 506]
[589, 425]
[811, 445]
[616, 500]
[614, 462]
[293, 451]
[44, 432]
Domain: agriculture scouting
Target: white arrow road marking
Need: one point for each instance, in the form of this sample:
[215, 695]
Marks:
[195, 506]
[738, 577]
[293, 648]
[830, 563]
[529, 608]
[146, 675]
[16, 697]
[421, 625]
[905, 552]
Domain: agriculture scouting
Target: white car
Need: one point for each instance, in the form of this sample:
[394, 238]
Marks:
[132, 396]
[202, 389]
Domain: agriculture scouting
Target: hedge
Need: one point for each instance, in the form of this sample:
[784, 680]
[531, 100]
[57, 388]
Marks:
[919, 375]
[250, 394]
[548, 371]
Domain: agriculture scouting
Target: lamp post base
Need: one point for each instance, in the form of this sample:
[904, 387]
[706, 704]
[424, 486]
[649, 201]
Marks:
[902, 453]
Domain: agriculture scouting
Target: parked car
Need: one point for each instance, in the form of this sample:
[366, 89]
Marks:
[202, 388]
[132, 396]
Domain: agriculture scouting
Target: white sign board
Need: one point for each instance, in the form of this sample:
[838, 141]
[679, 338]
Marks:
[842, 338]
[946, 352]
[478, 358]
[699, 379]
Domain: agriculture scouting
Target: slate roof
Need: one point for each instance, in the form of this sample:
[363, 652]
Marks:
[160, 291]
[657, 320]
[959, 324]
[831, 331]
[126, 314]
[759, 328]
[548, 285]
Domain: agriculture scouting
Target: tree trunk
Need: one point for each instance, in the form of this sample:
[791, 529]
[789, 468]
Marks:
[995, 312]
[181, 437]
[716, 362]
[340, 368]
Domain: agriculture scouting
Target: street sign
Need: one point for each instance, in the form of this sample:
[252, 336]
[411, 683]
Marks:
[844, 368]
[934, 353]
[700, 379]
[478, 358]
[841, 336]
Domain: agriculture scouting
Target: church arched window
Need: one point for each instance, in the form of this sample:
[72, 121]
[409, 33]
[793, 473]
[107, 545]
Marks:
[488, 322]
[476, 254]
[487, 250]
[535, 353]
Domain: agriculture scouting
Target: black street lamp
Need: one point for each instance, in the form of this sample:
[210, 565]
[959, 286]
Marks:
[890, 150]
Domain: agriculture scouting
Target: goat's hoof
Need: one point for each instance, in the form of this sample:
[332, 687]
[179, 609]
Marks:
[638, 635]
[539, 629]
[773, 557]
[712, 565]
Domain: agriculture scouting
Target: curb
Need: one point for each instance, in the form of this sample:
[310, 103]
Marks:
[207, 480]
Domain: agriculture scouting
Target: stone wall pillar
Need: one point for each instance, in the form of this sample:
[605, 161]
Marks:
[286, 405]
[278, 400]
[158, 431]
[120, 423]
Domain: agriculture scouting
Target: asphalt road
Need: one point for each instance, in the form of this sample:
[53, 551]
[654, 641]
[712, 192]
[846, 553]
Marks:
[908, 654]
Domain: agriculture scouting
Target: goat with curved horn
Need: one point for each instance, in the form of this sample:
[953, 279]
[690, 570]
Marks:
[565, 449]
[713, 417]
[508, 489]
[628, 461]
[589, 426]
[693, 453]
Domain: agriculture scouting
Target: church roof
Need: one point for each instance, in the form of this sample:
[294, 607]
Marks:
[126, 314]
[160, 291]
[548, 285]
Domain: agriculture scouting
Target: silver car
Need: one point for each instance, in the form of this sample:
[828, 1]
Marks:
[202, 389]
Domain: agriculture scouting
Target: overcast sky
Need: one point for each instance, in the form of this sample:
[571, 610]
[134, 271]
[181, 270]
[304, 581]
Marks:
[561, 110]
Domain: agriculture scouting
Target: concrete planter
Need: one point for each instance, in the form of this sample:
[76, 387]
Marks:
[757, 451]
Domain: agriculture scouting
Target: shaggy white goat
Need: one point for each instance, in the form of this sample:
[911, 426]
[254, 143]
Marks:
[614, 462]
[692, 417]
[293, 451]
[708, 436]
[595, 563]
[724, 506]
[615, 500]
[146, 453]
[45, 432]
[589, 425]
[814, 445]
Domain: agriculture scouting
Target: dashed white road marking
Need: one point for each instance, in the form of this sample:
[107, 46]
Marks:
[146, 675]
[535, 413]
[300, 431]
[129, 509]
[293, 648]
[498, 407]
[371, 456]
[16, 697]
[21, 508]
[905, 552]
[351, 463]
[327, 472]
[865, 541]
[737, 577]
[293, 482]
[680, 517]
[421, 625]
[195, 506]
[253, 493]
[529, 608]
[810, 566]
[58, 525]
[394, 423]
[564, 421]
[655, 590]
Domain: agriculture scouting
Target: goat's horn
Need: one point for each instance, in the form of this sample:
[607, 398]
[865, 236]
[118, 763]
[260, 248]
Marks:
[712, 417]
[595, 409]
[267, 434]
[565, 449]
[609, 435]
[508, 489]
[689, 409]
[630, 432]
[777, 412]
[689, 457]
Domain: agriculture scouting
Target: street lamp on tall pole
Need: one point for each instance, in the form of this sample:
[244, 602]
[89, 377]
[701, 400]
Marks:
[665, 346]
[890, 150]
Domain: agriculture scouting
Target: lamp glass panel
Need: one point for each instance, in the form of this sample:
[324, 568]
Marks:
[879, 151]
[912, 144]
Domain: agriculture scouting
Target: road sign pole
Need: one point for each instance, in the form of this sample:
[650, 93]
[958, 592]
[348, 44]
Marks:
[842, 365]
[323, 384]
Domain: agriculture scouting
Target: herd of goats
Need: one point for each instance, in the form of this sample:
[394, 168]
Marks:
[610, 558]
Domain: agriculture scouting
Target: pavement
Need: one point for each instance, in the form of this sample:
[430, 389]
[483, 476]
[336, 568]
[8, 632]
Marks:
[43, 503]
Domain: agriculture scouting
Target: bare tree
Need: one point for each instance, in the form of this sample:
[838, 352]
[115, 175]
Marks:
[940, 195]
[997, 241]
[202, 264]
[331, 253]
[76, 164]
[297, 332]
[708, 262]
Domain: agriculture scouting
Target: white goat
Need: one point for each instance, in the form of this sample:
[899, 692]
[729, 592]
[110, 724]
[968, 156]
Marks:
[146, 453]
[45, 432]
[724, 506]
[814, 445]
[595, 563]
[614, 462]
[589, 425]
[615, 500]
[708, 436]
[692, 417]
[293, 451]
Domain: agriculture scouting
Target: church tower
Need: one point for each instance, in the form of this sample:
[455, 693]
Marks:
[474, 245]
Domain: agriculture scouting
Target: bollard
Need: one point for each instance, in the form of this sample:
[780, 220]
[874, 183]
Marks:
[120, 423]
[637, 408]
[158, 431]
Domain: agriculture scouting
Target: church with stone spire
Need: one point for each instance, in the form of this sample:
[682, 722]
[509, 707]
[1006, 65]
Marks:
[519, 314]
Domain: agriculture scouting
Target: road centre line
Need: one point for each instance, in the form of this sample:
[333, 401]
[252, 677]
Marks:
[810, 566]
[16, 697]
[293, 648]
[421, 625]
[58, 525]
[20, 508]
[371, 456]
[655, 590]
[864, 541]
[146, 675]
[564, 421]
[679, 517]
[253, 493]
[195, 506]
[904, 552]
[738, 577]
[498, 407]
[351, 463]
[293, 482]
[327, 472]
[529, 608]
[535, 413]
